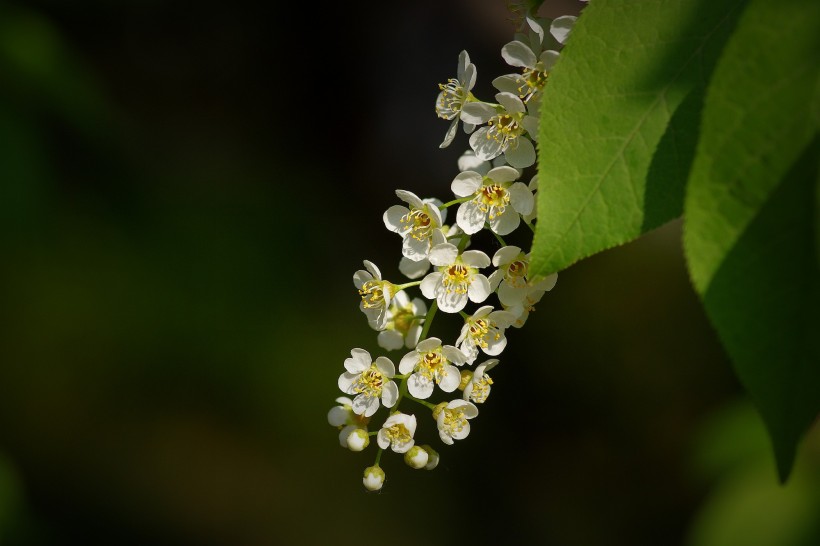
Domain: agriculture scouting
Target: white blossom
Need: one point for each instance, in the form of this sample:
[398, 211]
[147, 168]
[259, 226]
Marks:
[511, 279]
[417, 457]
[484, 330]
[478, 389]
[397, 432]
[376, 294]
[494, 198]
[457, 278]
[432, 363]
[506, 132]
[343, 417]
[454, 95]
[369, 381]
[452, 420]
[373, 479]
[419, 224]
[404, 322]
[561, 27]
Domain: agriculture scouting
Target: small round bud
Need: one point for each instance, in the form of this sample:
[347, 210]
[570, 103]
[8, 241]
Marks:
[358, 439]
[466, 377]
[373, 478]
[417, 457]
[432, 457]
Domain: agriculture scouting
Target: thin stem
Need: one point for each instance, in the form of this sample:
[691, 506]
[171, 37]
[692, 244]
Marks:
[463, 243]
[428, 320]
[378, 457]
[422, 402]
[455, 202]
[464, 315]
[407, 285]
[529, 226]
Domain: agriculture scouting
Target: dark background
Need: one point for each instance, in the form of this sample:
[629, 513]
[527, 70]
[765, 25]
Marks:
[186, 190]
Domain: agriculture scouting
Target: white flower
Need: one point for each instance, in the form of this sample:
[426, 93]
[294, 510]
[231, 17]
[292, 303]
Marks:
[506, 132]
[433, 457]
[431, 362]
[533, 187]
[478, 389]
[343, 417]
[454, 95]
[397, 432]
[376, 294]
[404, 321]
[451, 419]
[511, 278]
[417, 457]
[414, 270]
[536, 71]
[484, 330]
[495, 198]
[457, 278]
[532, 295]
[419, 224]
[369, 381]
[470, 162]
[373, 478]
[358, 439]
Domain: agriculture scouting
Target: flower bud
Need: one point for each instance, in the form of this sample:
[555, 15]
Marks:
[373, 478]
[358, 439]
[417, 457]
[432, 457]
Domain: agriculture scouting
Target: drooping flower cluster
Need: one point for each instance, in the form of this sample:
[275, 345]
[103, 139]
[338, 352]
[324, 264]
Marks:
[491, 196]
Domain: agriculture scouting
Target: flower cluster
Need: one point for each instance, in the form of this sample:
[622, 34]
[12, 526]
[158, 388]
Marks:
[491, 196]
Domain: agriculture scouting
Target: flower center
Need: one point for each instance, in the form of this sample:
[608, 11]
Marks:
[372, 293]
[431, 364]
[370, 382]
[451, 99]
[454, 421]
[402, 320]
[532, 80]
[505, 128]
[516, 273]
[456, 278]
[398, 434]
[481, 389]
[418, 223]
[478, 329]
[494, 198]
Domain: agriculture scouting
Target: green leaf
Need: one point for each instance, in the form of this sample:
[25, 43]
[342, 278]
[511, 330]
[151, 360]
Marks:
[619, 122]
[751, 214]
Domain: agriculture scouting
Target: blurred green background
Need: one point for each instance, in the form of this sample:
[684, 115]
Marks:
[185, 192]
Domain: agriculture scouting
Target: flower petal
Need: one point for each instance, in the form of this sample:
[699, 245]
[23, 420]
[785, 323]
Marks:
[503, 174]
[530, 124]
[511, 102]
[392, 217]
[463, 63]
[466, 183]
[451, 302]
[410, 198]
[371, 267]
[385, 366]
[475, 258]
[413, 269]
[454, 355]
[443, 254]
[520, 153]
[470, 217]
[485, 148]
[508, 83]
[346, 381]
[521, 198]
[390, 340]
[477, 113]
[450, 378]
[469, 162]
[506, 222]
[506, 255]
[360, 277]
[518, 54]
[479, 289]
[390, 393]
[548, 59]
[419, 386]
[450, 135]
[429, 285]
[360, 360]
[429, 344]
[415, 249]
[561, 27]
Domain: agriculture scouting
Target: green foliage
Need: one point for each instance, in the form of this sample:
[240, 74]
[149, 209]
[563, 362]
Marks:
[715, 101]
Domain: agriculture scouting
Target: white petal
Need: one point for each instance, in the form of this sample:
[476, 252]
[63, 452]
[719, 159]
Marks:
[503, 174]
[475, 258]
[346, 381]
[419, 386]
[469, 162]
[511, 102]
[496, 277]
[479, 289]
[463, 63]
[382, 439]
[370, 266]
[482, 311]
[450, 380]
[502, 319]
[443, 254]
[392, 217]
[536, 28]
[561, 27]
[413, 269]
[470, 217]
[410, 198]
[454, 355]
[390, 340]
[508, 83]
[450, 135]
[460, 434]
[390, 393]
[360, 277]
[505, 223]
[408, 362]
[466, 183]
[477, 113]
[360, 360]
[429, 285]
[432, 210]
[521, 153]
[428, 345]
[337, 416]
[510, 295]
[548, 59]
[521, 198]
[506, 255]
[452, 302]
[530, 124]
[385, 366]
[548, 283]
[468, 78]
[484, 147]
[518, 54]
[495, 346]
[415, 249]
